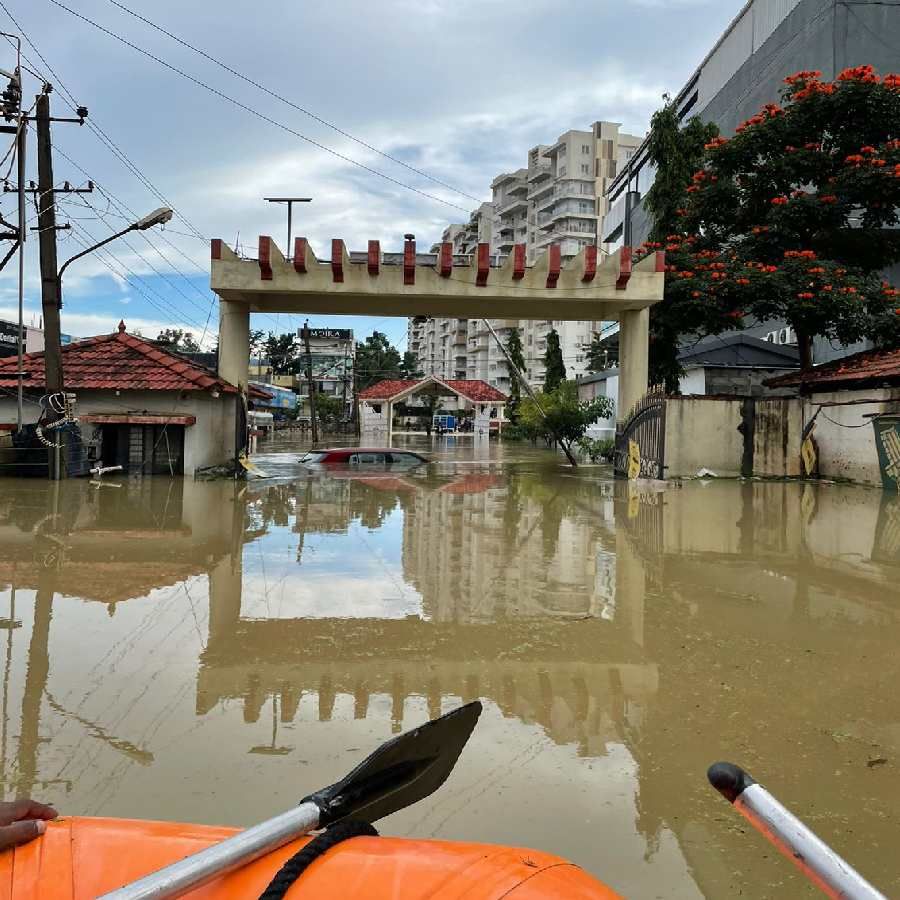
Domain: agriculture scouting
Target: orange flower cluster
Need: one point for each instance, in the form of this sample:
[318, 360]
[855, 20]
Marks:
[867, 149]
[814, 87]
[859, 73]
[827, 198]
[855, 159]
[848, 290]
[742, 281]
[804, 76]
[718, 276]
[779, 201]
[815, 270]
[762, 267]
[806, 295]
[692, 189]
[799, 254]
[760, 229]
[812, 146]
[888, 291]
[892, 81]
[715, 142]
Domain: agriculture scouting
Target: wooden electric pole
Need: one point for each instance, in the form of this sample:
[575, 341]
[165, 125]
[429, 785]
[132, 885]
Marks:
[50, 292]
[312, 385]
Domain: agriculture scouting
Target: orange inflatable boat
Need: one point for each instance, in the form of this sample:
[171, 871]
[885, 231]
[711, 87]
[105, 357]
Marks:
[81, 859]
[118, 859]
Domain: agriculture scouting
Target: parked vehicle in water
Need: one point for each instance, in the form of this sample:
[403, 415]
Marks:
[364, 458]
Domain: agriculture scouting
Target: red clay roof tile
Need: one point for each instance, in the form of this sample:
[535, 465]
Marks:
[118, 361]
[871, 367]
[475, 390]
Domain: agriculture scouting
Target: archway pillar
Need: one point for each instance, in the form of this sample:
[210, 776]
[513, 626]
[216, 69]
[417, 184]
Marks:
[634, 355]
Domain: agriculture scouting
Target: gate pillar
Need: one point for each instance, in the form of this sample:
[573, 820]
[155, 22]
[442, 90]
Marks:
[634, 339]
[234, 343]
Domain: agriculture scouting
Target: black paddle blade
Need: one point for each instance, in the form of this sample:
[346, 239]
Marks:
[401, 772]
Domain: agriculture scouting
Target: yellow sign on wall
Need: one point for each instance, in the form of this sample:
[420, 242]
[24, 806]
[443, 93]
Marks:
[634, 460]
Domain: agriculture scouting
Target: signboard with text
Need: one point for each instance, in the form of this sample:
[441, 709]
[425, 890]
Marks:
[329, 334]
[9, 338]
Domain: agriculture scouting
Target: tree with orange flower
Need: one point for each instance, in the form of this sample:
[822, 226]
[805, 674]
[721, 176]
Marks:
[795, 217]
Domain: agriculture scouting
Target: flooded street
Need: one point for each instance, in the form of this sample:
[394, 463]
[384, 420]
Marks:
[212, 652]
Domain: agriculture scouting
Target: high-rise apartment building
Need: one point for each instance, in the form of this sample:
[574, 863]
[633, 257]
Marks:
[559, 198]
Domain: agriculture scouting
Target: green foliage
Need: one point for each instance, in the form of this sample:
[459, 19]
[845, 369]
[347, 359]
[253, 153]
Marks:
[555, 368]
[282, 352]
[409, 368]
[329, 408]
[564, 416]
[257, 342]
[676, 152]
[795, 216]
[376, 360]
[598, 359]
[517, 357]
[178, 340]
[597, 449]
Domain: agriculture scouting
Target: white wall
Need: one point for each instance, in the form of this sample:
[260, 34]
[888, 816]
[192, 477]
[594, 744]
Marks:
[208, 442]
[844, 437]
[602, 428]
[693, 382]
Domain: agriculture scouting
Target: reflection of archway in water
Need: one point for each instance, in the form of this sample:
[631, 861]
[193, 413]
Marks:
[580, 680]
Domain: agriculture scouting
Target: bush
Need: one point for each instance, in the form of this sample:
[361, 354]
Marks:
[597, 449]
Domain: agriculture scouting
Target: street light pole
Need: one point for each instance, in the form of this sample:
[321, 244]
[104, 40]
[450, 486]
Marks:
[290, 206]
[157, 217]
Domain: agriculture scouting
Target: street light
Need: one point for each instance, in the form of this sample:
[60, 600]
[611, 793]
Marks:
[157, 217]
[290, 205]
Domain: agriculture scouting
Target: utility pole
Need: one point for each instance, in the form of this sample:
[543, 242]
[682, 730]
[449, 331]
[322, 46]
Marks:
[312, 385]
[23, 125]
[50, 294]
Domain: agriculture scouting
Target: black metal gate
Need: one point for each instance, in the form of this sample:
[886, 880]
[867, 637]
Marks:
[641, 438]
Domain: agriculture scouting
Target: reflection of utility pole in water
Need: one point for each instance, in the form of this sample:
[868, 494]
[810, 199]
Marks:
[35, 683]
[10, 624]
[271, 749]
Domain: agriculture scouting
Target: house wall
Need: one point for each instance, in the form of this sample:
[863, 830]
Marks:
[844, 436]
[208, 442]
[703, 433]
[706, 432]
[777, 430]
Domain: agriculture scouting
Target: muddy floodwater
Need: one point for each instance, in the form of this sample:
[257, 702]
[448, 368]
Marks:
[212, 652]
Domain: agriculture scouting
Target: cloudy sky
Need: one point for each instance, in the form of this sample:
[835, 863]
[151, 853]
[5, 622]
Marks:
[457, 89]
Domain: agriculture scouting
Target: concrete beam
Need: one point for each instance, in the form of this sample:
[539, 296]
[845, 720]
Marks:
[540, 292]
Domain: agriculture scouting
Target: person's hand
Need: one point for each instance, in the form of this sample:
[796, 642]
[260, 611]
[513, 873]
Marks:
[22, 821]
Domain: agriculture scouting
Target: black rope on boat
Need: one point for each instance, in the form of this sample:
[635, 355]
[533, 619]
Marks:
[301, 860]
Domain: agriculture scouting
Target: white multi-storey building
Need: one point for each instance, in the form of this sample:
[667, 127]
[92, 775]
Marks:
[559, 198]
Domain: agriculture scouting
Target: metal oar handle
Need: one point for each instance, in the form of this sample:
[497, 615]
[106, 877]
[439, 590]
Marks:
[200, 868]
[836, 877]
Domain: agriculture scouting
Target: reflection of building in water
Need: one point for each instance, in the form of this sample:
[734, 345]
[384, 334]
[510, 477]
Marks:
[109, 544]
[511, 548]
[112, 543]
[775, 598]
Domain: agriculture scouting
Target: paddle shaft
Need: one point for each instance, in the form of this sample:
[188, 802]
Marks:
[832, 874]
[200, 868]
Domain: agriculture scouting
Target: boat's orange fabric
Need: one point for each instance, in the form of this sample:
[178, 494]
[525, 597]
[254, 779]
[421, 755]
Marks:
[79, 859]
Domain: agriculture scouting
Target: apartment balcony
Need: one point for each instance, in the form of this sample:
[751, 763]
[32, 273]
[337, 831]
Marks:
[539, 173]
[541, 189]
[514, 203]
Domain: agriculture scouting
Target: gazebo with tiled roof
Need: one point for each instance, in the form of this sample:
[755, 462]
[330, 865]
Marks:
[376, 402]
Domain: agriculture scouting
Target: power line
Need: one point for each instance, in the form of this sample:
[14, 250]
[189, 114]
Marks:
[172, 310]
[256, 112]
[290, 103]
[94, 127]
